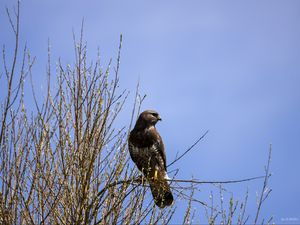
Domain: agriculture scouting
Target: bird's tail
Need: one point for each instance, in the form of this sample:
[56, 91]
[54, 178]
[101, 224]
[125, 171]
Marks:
[161, 192]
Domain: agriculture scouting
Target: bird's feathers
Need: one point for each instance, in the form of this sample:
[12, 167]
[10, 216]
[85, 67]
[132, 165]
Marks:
[147, 151]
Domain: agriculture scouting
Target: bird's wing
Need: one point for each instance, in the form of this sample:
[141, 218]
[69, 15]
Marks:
[159, 147]
[159, 184]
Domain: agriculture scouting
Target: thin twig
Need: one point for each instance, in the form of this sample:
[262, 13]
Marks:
[217, 182]
[262, 195]
[189, 149]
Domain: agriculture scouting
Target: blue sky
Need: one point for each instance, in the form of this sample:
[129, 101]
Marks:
[231, 67]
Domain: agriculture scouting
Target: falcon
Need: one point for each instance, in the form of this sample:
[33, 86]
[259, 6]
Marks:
[148, 153]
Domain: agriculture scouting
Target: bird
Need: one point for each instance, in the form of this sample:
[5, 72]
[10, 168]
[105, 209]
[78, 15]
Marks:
[147, 151]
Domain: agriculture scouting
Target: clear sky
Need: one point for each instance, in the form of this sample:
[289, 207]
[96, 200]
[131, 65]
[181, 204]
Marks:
[231, 67]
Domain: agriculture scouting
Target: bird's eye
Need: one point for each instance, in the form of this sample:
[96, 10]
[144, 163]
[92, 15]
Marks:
[154, 114]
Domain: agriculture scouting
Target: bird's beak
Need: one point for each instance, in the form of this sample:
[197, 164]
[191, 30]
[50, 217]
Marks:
[159, 118]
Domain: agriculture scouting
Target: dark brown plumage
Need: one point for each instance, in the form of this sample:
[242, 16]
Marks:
[148, 153]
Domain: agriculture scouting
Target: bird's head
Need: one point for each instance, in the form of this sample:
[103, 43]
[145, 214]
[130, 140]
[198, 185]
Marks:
[148, 118]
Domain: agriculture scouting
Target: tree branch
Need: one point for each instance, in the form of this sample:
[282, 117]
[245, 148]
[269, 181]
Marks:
[189, 149]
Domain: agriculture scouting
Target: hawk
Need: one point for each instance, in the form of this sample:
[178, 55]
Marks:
[148, 153]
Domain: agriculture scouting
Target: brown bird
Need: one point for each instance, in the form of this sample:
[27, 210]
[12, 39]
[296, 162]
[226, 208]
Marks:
[148, 153]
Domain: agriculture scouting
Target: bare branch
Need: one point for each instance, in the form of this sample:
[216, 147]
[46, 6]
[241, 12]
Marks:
[263, 194]
[189, 149]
